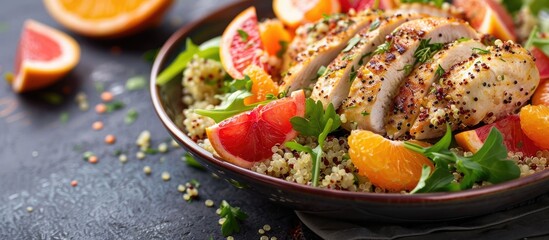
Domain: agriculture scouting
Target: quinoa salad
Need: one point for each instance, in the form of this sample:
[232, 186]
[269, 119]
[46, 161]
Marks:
[395, 87]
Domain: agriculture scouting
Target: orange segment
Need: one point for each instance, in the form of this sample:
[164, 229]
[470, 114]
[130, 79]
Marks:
[107, 18]
[488, 16]
[469, 141]
[262, 85]
[388, 164]
[272, 32]
[295, 12]
[44, 55]
[534, 121]
[541, 95]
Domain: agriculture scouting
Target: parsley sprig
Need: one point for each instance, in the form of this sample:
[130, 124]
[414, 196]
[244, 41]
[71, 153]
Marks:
[232, 217]
[490, 164]
[317, 123]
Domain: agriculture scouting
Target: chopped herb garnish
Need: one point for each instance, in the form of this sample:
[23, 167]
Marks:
[195, 183]
[232, 216]
[189, 159]
[426, 50]
[321, 71]
[490, 164]
[283, 48]
[361, 60]
[365, 113]
[407, 69]
[64, 117]
[374, 25]
[136, 83]
[317, 123]
[353, 74]
[463, 39]
[243, 35]
[351, 43]
[131, 116]
[481, 51]
[113, 106]
[437, 3]
[383, 48]
[440, 71]
[151, 151]
[150, 55]
[86, 155]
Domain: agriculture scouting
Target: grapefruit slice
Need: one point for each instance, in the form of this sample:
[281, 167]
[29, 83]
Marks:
[107, 18]
[388, 164]
[44, 55]
[513, 137]
[488, 16]
[248, 137]
[241, 44]
[534, 121]
[295, 12]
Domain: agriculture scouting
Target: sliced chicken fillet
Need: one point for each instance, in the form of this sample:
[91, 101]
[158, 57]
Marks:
[378, 81]
[416, 85]
[333, 86]
[486, 87]
[322, 52]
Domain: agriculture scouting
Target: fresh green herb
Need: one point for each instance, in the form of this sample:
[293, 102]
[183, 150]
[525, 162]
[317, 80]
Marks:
[365, 113]
[321, 71]
[463, 39]
[383, 48]
[243, 35]
[317, 123]
[407, 69]
[150, 55]
[181, 61]
[374, 25]
[195, 183]
[136, 83]
[351, 44]
[437, 3]
[113, 106]
[131, 116]
[361, 60]
[232, 105]
[490, 164]
[440, 71]
[481, 51]
[232, 217]
[150, 151]
[189, 159]
[512, 6]
[52, 98]
[283, 48]
[64, 117]
[535, 41]
[86, 155]
[99, 87]
[426, 50]
[353, 74]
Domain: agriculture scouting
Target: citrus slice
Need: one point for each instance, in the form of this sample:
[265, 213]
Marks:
[360, 5]
[107, 18]
[513, 137]
[388, 164]
[542, 62]
[241, 44]
[541, 95]
[294, 12]
[488, 16]
[262, 85]
[534, 121]
[273, 36]
[248, 137]
[44, 55]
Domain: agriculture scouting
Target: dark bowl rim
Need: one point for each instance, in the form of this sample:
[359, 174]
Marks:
[172, 44]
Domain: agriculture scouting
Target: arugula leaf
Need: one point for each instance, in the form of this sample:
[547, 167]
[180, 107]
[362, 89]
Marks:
[234, 104]
[113, 106]
[351, 43]
[131, 116]
[232, 217]
[189, 159]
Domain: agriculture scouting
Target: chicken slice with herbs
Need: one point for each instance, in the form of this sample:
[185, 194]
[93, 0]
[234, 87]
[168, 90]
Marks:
[333, 86]
[493, 83]
[416, 85]
[378, 81]
[322, 52]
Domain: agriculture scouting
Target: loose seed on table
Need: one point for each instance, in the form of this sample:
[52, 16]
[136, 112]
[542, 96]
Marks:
[140, 155]
[181, 188]
[230, 238]
[107, 96]
[267, 227]
[264, 237]
[147, 170]
[110, 139]
[100, 108]
[163, 147]
[98, 125]
[261, 231]
[29, 209]
[221, 221]
[93, 159]
[74, 183]
[123, 158]
[166, 176]
[209, 203]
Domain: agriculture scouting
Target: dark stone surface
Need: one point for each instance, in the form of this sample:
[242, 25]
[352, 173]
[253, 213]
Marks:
[40, 155]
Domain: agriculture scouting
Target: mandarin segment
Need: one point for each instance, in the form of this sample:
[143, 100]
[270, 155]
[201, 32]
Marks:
[534, 121]
[541, 96]
[272, 33]
[387, 164]
[262, 85]
[293, 13]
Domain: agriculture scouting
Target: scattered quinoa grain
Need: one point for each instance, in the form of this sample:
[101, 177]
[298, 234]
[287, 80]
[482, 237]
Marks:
[264, 237]
[180, 188]
[267, 227]
[274, 238]
[74, 183]
[166, 176]
[123, 158]
[230, 238]
[110, 139]
[174, 144]
[97, 125]
[147, 170]
[163, 147]
[218, 211]
[186, 197]
[140, 155]
[221, 221]
[107, 96]
[144, 140]
[29, 209]
[209, 203]
[93, 159]
[100, 108]
[261, 231]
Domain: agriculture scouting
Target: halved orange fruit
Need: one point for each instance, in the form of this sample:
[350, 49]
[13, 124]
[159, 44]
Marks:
[489, 16]
[513, 137]
[387, 164]
[107, 18]
[44, 55]
[249, 137]
[241, 44]
[295, 12]
[534, 121]
[262, 85]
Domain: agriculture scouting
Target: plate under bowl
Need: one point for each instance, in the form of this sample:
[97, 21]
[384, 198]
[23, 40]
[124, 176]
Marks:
[324, 202]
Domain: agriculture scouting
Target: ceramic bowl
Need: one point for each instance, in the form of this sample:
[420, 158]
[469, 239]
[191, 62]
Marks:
[323, 202]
